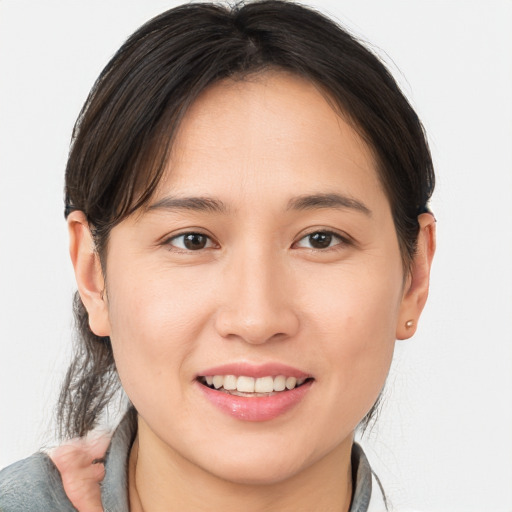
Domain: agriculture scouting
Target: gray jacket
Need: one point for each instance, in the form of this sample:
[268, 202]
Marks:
[34, 484]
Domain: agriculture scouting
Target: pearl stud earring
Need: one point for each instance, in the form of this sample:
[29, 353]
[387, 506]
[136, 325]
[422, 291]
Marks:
[409, 324]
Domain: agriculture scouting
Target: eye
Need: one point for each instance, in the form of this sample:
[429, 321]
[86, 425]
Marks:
[321, 240]
[190, 241]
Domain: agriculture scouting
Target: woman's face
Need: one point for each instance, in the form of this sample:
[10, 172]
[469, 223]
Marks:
[268, 252]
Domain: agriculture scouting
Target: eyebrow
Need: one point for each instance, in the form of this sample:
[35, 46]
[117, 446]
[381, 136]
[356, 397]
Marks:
[305, 202]
[320, 201]
[198, 204]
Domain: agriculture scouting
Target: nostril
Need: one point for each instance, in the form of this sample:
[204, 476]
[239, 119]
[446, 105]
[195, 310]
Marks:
[257, 321]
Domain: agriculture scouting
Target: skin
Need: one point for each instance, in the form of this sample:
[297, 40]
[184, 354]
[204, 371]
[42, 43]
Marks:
[257, 292]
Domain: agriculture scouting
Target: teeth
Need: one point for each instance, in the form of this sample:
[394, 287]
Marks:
[230, 382]
[280, 383]
[244, 384]
[218, 381]
[290, 382]
[264, 385]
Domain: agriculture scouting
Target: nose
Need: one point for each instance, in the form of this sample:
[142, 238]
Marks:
[258, 303]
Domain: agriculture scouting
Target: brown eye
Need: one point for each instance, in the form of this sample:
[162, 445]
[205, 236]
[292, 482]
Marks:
[191, 241]
[194, 241]
[321, 240]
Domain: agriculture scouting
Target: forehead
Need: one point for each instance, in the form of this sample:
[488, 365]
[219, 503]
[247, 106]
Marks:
[267, 132]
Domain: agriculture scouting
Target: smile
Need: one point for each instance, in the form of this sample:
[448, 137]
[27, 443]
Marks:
[254, 393]
[250, 386]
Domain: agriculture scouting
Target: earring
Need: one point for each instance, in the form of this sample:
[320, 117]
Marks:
[409, 324]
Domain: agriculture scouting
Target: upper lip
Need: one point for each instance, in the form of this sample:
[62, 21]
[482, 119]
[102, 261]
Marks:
[255, 370]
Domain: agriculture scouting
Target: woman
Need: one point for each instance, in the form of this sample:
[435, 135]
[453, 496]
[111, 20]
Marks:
[246, 196]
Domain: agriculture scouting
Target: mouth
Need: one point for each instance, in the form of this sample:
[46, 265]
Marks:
[245, 386]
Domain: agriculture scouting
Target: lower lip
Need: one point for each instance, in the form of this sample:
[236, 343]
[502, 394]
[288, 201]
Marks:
[258, 408]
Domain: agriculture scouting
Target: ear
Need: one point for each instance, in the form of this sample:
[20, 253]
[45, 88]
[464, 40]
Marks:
[88, 273]
[417, 284]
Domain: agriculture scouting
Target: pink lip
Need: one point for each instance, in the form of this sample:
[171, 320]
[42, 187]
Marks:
[255, 370]
[258, 408]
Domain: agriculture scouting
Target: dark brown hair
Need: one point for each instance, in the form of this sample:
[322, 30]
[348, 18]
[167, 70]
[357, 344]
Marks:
[123, 134]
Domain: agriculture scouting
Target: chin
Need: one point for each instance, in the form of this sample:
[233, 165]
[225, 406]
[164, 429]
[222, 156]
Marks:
[262, 473]
[259, 463]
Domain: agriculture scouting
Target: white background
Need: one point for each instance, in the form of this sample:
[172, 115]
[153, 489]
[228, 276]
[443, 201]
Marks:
[444, 439]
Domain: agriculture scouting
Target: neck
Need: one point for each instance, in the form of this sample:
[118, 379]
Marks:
[162, 480]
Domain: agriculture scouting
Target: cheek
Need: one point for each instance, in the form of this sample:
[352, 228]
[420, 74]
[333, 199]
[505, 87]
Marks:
[353, 319]
[155, 322]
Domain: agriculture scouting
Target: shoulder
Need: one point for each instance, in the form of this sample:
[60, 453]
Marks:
[33, 484]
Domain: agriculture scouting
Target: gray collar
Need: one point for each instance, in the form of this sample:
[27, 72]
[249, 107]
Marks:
[114, 488]
[362, 478]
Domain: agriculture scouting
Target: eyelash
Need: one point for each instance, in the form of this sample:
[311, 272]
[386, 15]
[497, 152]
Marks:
[185, 249]
[342, 241]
